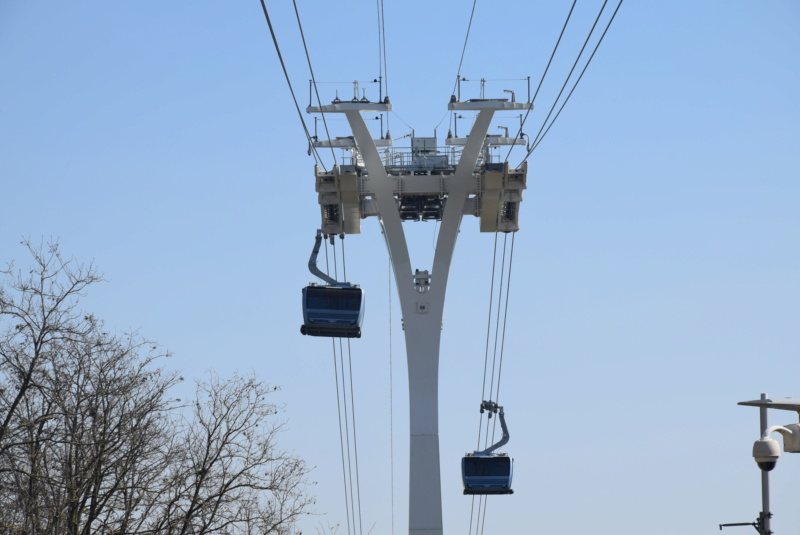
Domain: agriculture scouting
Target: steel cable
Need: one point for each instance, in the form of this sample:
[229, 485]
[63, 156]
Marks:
[313, 79]
[346, 415]
[536, 144]
[291, 89]
[566, 81]
[497, 321]
[485, 368]
[382, 45]
[347, 436]
[355, 435]
[481, 509]
[544, 74]
[505, 318]
[341, 437]
[391, 401]
[464, 48]
[497, 364]
[355, 497]
[488, 331]
[345, 464]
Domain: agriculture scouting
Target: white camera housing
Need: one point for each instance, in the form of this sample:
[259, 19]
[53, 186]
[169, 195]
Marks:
[791, 437]
[766, 452]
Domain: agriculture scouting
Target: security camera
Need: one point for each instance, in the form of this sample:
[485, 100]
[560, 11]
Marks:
[791, 437]
[766, 452]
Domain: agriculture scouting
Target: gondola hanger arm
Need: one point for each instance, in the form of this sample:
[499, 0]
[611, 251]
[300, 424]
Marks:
[312, 264]
[494, 407]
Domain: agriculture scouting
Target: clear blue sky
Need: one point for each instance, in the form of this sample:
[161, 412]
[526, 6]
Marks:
[656, 275]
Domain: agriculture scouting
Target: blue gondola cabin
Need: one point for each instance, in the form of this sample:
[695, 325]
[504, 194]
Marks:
[332, 311]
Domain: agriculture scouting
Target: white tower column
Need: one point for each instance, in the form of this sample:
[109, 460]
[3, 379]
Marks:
[422, 312]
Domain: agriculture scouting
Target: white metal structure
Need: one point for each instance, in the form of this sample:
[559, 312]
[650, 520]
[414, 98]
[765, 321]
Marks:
[422, 184]
[766, 452]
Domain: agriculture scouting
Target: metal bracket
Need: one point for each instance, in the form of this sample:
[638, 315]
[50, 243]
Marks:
[422, 281]
[493, 408]
[739, 524]
[490, 406]
[312, 263]
[758, 524]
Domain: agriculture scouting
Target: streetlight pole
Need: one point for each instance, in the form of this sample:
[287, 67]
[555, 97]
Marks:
[766, 452]
[764, 518]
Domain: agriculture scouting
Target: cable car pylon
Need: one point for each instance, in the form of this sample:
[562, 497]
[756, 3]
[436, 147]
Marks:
[435, 185]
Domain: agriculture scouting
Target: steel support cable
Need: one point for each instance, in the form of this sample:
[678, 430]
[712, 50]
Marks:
[382, 64]
[464, 48]
[442, 119]
[488, 335]
[577, 81]
[481, 507]
[544, 74]
[341, 401]
[478, 520]
[496, 330]
[391, 400]
[385, 63]
[471, 514]
[555, 48]
[327, 266]
[483, 389]
[291, 89]
[503, 335]
[341, 437]
[347, 435]
[345, 464]
[355, 434]
[483, 504]
[355, 497]
[399, 119]
[344, 261]
[313, 79]
[566, 81]
[483, 520]
[382, 44]
[335, 263]
[505, 321]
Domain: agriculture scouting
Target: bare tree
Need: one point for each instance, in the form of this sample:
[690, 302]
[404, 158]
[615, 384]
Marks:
[232, 478]
[41, 310]
[92, 442]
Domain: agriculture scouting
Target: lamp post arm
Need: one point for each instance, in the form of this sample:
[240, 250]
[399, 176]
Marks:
[791, 436]
[779, 428]
[754, 524]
